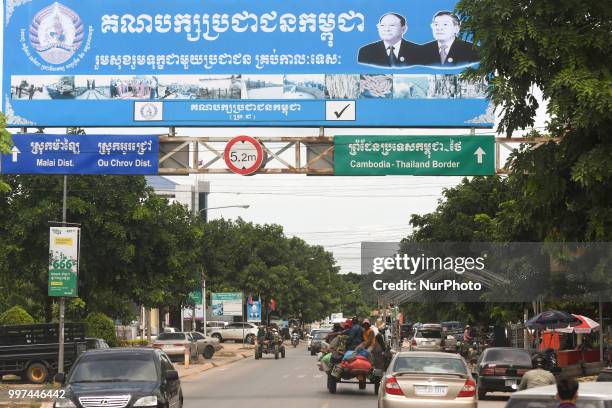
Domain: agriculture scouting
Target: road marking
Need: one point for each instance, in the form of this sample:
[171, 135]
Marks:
[318, 376]
[286, 376]
[326, 405]
[301, 376]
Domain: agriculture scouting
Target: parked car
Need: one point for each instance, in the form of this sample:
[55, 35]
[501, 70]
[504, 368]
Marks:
[501, 369]
[94, 344]
[590, 395]
[207, 346]
[215, 324]
[174, 344]
[427, 379]
[428, 337]
[317, 338]
[237, 331]
[121, 377]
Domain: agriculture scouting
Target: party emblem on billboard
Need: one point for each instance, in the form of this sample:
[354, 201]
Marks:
[56, 33]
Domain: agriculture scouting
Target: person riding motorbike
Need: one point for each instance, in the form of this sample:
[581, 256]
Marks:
[537, 377]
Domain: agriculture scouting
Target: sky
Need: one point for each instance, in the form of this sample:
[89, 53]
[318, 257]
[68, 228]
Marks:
[336, 212]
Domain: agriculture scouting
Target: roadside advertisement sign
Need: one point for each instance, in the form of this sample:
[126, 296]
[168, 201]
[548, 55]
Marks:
[39, 153]
[219, 63]
[227, 304]
[254, 312]
[414, 155]
[63, 261]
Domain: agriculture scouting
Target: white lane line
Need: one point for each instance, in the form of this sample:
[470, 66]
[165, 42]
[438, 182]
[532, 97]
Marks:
[318, 376]
[301, 376]
[286, 376]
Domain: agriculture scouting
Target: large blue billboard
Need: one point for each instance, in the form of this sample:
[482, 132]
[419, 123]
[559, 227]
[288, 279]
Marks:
[239, 63]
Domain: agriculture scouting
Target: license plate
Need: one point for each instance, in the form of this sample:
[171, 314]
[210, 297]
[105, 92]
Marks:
[431, 390]
[167, 346]
[511, 383]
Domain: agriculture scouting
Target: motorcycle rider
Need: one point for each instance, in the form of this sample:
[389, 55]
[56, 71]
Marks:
[537, 377]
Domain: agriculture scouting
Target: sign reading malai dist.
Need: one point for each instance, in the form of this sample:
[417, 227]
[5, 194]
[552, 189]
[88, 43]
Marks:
[414, 155]
[63, 261]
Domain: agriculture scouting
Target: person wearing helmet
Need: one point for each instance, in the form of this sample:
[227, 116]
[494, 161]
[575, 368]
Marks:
[537, 377]
[467, 337]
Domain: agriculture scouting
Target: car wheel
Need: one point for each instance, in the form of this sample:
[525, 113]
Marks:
[218, 337]
[37, 373]
[283, 352]
[250, 339]
[332, 383]
[275, 351]
[208, 353]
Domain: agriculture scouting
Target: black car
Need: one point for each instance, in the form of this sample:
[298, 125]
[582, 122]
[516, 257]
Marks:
[121, 377]
[501, 369]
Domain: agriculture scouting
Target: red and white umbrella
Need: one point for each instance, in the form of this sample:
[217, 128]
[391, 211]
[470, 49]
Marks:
[586, 326]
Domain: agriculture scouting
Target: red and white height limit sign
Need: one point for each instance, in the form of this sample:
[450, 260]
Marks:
[244, 155]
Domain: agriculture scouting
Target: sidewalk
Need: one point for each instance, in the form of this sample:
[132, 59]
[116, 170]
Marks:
[230, 353]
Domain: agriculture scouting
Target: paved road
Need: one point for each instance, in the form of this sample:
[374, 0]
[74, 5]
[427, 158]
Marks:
[292, 382]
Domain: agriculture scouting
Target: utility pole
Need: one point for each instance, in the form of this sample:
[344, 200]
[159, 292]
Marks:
[60, 358]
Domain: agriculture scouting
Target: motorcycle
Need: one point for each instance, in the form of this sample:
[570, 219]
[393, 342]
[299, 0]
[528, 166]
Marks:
[295, 339]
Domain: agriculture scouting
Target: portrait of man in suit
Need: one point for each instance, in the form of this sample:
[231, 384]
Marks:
[448, 49]
[392, 50]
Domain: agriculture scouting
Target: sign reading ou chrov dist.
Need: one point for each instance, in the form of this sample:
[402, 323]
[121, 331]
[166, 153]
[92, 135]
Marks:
[63, 261]
[270, 63]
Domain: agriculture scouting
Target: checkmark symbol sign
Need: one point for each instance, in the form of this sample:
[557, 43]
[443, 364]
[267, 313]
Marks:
[338, 114]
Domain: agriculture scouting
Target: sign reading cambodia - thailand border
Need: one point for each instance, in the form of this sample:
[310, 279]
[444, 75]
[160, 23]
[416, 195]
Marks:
[414, 155]
[219, 63]
[63, 261]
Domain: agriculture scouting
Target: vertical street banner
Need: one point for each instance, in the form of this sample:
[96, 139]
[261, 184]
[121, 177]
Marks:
[357, 63]
[254, 312]
[63, 261]
[226, 304]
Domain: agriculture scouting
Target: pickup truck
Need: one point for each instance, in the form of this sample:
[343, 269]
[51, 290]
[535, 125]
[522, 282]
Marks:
[31, 351]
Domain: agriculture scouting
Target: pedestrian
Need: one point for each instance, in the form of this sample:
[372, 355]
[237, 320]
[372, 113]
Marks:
[537, 377]
[31, 91]
[567, 393]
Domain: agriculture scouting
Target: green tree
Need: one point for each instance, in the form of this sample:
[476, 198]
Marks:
[101, 326]
[6, 142]
[16, 315]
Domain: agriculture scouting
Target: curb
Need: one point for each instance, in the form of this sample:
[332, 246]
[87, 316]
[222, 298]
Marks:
[213, 364]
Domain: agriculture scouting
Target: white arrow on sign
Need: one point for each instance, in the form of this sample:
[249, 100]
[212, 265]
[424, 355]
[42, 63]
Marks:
[479, 153]
[15, 152]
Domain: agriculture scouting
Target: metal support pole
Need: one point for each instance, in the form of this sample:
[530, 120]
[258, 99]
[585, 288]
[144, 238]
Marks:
[60, 358]
[203, 302]
[601, 332]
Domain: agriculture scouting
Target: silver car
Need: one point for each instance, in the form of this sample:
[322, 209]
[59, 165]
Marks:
[207, 346]
[428, 337]
[427, 380]
[175, 344]
[590, 395]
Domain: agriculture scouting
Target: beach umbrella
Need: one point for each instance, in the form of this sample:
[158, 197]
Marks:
[552, 319]
[586, 326]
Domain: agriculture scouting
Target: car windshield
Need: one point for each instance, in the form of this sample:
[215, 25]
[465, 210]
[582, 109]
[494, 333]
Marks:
[507, 356]
[429, 334]
[114, 368]
[430, 365]
[552, 403]
[171, 336]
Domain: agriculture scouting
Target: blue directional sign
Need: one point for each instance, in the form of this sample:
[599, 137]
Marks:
[81, 154]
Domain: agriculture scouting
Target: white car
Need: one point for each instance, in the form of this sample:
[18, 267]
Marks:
[428, 337]
[238, 332]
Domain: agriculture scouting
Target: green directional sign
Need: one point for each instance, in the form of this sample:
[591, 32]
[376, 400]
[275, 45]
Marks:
[414, 155]
[196, 297]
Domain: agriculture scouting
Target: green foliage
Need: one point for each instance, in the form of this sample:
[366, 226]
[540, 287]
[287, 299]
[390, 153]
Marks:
[16, 315]
[101, 326]
[6, 142]
[132, 343]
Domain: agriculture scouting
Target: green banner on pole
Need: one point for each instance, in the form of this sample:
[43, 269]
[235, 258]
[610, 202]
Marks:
[414, 155]
[63, 261]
